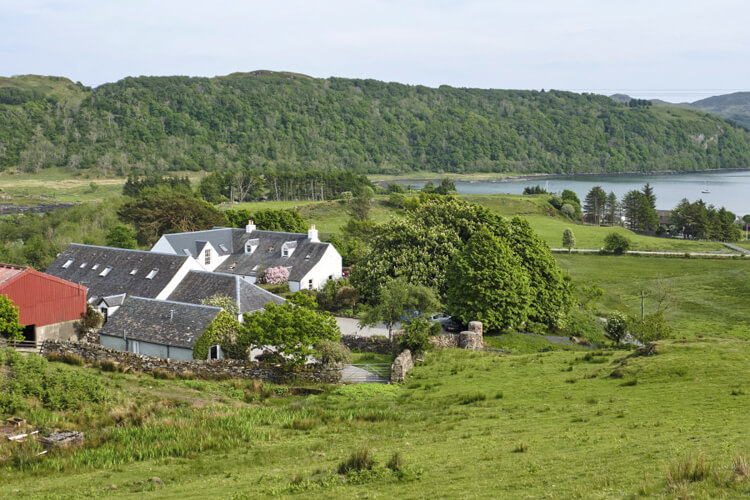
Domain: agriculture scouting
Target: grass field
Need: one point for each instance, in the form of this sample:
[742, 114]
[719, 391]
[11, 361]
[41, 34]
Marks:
[464, 425]
[59, 185]
[705, 297]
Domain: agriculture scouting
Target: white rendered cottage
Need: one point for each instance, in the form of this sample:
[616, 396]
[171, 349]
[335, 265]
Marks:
[247, 253]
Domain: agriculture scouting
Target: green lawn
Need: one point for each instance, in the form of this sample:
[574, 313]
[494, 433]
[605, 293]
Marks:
[465, 425]
[371, 357]
[706, 297]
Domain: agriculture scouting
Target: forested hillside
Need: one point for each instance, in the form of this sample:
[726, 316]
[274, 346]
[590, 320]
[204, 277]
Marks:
[282, 120]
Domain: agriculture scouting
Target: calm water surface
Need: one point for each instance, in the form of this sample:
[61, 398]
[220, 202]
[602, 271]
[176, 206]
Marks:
[728, 189]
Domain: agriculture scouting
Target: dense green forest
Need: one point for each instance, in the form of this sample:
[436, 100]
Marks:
[266, 120]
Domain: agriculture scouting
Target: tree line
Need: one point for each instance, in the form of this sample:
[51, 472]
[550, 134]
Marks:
[285, 121]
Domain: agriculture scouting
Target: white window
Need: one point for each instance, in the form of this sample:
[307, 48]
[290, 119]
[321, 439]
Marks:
[82, 265]
[133, 272]
[151, 274]
[95, 267]
[135, 347]
[106, 271]
[207, 256]
[67, 263]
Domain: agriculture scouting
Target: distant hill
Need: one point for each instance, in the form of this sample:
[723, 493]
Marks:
[277, 120]
[734, 106]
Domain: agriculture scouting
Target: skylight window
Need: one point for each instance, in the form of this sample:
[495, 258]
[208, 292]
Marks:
[106, 271]
[67, 263]
[223, 247]
[151, 275]
[187, 252]
[256, 267]
[132, 273]
[82, 265]
[95, 267]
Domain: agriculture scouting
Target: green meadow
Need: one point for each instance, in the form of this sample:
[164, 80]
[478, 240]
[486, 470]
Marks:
[561, 424]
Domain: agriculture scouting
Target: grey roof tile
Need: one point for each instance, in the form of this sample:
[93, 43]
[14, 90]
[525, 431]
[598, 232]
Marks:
[200, 285]
[162, 322]
[130, 270]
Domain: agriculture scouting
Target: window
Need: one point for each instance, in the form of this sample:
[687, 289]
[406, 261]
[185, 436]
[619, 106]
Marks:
[214, 352]
[67, 263]
[310, 283]
[223, 247]
[151, 275]
[95, 267]
[284, 252]
[307, 257]
[106, 271]
[135, 347]
[207, 257]
[132, 273]
[255, 267]
[82, 265]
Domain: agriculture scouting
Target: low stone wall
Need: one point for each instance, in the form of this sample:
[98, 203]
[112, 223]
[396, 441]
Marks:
[217, 369]
[379, 345]
[444, 340]
[401, 366]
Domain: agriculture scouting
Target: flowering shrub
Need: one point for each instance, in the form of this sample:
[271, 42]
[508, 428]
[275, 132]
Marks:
[276, 275]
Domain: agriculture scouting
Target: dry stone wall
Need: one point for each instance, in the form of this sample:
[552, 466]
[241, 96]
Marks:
[216, 369]
[401, 365]
[379, 345]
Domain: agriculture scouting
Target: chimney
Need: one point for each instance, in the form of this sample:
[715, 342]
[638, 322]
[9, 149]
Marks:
[312, 234]
[250, 227]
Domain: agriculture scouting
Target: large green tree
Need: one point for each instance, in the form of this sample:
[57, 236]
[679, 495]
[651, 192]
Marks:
[293, 330]
[594, 205]
[268, 219]
[487, 282]
[397, 301]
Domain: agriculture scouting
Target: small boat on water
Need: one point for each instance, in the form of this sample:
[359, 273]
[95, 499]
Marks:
[705, 189]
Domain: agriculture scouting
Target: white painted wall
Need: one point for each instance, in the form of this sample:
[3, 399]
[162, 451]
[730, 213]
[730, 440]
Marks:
[163, 246]
[328, 265]
[216, 259]
[190, 265]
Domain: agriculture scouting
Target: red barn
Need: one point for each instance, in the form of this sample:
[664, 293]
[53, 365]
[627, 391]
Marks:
[48, 306]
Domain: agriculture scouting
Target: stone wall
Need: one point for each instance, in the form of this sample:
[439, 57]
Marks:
[472, 338]
[215, 369]
[379, 345]
[401, 365]
[444, 340]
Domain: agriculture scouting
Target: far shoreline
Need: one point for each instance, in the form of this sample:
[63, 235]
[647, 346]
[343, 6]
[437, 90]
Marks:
[542, 176]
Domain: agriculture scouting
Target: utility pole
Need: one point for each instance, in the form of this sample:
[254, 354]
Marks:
[642, 301]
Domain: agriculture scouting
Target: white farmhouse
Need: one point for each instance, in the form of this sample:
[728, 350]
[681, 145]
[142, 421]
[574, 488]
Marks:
[247, 253]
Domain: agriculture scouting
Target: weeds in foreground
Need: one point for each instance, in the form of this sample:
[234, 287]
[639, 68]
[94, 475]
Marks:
[521, 448]
[361, 459]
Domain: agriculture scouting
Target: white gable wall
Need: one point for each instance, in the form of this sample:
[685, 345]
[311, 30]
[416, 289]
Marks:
[163, 246]
[328, 267]
[216, 259]
[190, 265]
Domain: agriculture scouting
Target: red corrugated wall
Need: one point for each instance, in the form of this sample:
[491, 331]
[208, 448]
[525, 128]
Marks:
[43, 299]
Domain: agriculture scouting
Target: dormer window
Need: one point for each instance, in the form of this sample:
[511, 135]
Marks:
[106, 271]
[151, 274]
[251, 245]
[207, 257]
[287, 249]
[67, 263]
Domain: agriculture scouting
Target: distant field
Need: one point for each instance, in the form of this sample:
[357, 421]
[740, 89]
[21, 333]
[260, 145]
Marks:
[706, 297]
[59, 185]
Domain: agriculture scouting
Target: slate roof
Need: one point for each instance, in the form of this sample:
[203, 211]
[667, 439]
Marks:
[199, 285]
[268, 253]
[120, 278]
[220, 238]
[162, 322]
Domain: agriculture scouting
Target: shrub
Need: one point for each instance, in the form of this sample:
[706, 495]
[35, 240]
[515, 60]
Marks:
[616, 327]
[359, 460]
[275, 275]
[473, 397]
[107, 365]
[616, 243]
[396, 462]
[416, 336]
[652, 328]
[582, 323]
[330, 352]
[568, 210]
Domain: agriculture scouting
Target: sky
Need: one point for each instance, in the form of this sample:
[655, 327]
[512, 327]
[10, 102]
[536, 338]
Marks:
[676, 50]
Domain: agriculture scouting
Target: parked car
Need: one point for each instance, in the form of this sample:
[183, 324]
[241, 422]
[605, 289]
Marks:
[447, 322]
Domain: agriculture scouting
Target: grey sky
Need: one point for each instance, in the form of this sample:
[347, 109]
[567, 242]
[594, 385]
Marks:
[678, 50]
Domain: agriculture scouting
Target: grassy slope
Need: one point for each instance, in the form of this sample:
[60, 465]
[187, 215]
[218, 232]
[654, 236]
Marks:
[708, 297]
[587, 434]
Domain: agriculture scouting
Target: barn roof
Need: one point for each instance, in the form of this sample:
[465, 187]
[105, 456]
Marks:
[8, 271]
[162, 322]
